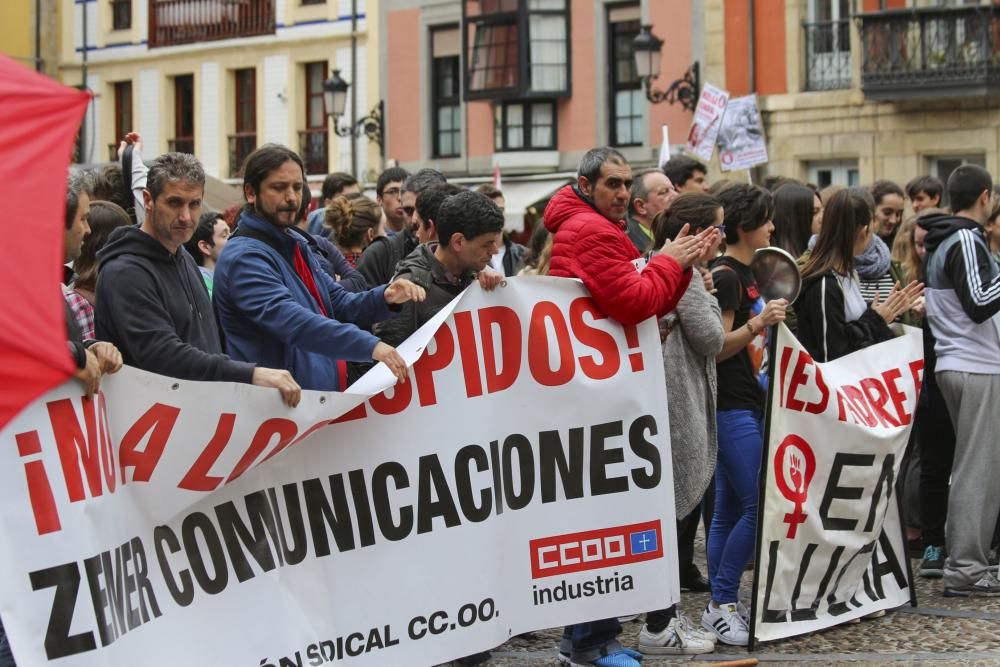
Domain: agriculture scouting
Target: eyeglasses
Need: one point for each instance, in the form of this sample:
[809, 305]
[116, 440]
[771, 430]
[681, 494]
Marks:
[392, 192]
[408, 210]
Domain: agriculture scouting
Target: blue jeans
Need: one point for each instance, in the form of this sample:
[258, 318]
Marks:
[6, 657]
[734, 524]
[590, 641]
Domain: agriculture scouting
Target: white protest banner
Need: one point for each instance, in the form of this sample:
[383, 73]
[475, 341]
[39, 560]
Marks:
[830, 537]
[705, 124]
[741, 135]
[519, 480]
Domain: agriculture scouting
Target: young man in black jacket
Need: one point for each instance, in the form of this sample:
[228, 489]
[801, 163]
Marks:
[468, 230]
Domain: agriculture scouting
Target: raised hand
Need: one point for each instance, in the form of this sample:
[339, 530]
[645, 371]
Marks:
[900, 300]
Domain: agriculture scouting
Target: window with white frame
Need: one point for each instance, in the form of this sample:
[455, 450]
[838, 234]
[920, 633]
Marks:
[834, 172]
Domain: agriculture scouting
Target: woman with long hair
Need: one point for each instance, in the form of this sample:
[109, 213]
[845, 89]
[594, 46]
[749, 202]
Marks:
[833, 318]
[797, 211]
[105, 217]
[695, 337]
[355, 221]
[740, 366]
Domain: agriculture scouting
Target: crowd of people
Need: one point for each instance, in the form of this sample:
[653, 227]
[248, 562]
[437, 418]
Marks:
[278, 296]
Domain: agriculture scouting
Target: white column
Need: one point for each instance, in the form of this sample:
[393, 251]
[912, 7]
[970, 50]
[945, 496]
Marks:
[209, 141]
[148, 119]
[276, 79]
[92, 18]
[141, 10]
[94, 150]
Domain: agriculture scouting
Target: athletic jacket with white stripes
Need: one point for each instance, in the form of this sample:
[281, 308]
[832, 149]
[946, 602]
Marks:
[963, 295]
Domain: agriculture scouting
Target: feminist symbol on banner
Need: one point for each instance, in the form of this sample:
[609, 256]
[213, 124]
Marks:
[801, 465]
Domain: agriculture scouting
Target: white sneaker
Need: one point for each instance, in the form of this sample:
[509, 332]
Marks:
[743, 611]
[628, 619]
[691, 629]
[673, 640]
[727, 624]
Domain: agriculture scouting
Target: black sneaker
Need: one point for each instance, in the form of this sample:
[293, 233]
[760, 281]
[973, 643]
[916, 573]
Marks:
[932, 566]
[987, 587]
[693, 581]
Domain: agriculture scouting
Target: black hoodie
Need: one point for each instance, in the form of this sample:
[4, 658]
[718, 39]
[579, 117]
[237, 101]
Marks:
[154, 307]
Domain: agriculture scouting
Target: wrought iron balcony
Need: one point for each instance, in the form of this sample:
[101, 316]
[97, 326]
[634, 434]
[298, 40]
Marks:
[240, 147]
[173, 22]
[931, 51]
[314, 147]
[828, 55]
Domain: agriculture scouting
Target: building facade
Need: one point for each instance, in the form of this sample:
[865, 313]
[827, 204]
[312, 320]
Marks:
[528, 86]
[29, 33]
[852, 91]
[217, 78]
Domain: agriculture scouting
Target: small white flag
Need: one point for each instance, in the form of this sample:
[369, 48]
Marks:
[664, 147]
[496, 177]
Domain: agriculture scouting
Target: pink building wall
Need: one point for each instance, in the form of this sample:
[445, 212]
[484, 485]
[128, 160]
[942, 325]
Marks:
[403, 113]
[671, 21]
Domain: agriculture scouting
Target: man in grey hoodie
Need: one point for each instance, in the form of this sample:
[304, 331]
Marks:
[963, 308]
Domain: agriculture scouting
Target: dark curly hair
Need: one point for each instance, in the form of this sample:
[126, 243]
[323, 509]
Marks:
[470, 214]
[747, 207]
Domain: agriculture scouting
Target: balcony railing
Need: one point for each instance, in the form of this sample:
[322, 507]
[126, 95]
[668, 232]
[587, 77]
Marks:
[181, 145]
[314, 147]
[931, 51]
[173, 22]
[828, 55]
[240, 146]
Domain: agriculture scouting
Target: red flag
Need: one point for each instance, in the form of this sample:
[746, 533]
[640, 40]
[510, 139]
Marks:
[40, 120]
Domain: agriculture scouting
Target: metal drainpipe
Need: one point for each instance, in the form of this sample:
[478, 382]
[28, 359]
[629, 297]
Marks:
[38, 37]
[751, 48]
[84, 153]
[357, 86]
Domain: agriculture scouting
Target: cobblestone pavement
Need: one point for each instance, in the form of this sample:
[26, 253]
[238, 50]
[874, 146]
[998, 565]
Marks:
[939, 631]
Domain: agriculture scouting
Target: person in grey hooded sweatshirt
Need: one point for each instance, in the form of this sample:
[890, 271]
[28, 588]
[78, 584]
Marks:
[963, 309]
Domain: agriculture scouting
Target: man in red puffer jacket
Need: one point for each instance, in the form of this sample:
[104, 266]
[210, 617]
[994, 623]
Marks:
[588, 224]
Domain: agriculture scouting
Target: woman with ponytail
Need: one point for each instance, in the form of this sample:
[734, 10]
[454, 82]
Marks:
[355, 221]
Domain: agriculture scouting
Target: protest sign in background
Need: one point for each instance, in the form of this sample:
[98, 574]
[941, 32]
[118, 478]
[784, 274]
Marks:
[705, 124]
[830, 544]
[741, 135]
[521, 479]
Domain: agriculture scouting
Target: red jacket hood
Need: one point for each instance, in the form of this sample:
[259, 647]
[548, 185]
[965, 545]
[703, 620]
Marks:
[567, 203]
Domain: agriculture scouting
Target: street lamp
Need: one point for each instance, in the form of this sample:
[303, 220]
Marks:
[335, 97]
[685, 90]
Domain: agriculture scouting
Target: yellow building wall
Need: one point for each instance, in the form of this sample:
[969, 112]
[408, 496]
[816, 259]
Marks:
[17, 30]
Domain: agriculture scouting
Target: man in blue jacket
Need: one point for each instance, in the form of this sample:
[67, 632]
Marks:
[276, 306]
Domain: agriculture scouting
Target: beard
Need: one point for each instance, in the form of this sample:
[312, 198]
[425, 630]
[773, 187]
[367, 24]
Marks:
[280, 217]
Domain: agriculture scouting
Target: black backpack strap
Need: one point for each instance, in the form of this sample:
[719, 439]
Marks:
[126, 191]
[725, 267]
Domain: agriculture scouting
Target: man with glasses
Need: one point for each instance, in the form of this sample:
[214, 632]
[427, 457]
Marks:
[388, 194]
[378, 263]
